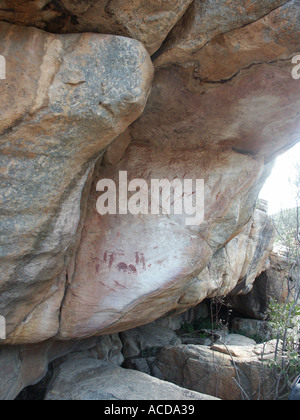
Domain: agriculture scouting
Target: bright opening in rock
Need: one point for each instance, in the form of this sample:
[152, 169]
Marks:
[279, 190]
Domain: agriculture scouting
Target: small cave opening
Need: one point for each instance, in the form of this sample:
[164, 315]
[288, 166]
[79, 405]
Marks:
[38, 391]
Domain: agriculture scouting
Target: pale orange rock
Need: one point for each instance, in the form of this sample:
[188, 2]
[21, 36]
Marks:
[224, 133]
[65, 99]
[222, 107]
[262, 41]
[130, 270]
[117, 149]
[147, 21]
[206, 23]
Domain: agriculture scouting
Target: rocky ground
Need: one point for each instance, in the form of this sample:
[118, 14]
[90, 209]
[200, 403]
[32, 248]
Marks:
[151, 363]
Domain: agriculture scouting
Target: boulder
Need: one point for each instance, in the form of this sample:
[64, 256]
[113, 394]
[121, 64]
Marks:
[150, 337]
[109, 348]
[148, 22]
[231, 372]
[282, 274]
[89, 379]
[26, 365]
[235, 345]
[252, 327]
[65, 99]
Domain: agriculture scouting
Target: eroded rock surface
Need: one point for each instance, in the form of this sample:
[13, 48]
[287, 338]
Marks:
[89, 379]
[242, 360]
[222, 106]
[22, 366]
[65, 99]
[147, 21]
[219, 38]
[233, 269]
[276, 282]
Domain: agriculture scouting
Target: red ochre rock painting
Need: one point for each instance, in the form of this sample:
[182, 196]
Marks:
[111, 259]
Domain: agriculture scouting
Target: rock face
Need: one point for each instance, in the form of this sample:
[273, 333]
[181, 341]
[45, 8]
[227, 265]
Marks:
[193, 127]
[25, 365]
[275, 281]
[234, 268]
[188, 365]
[223, 104]
[148, 22]
[146, 338]
[65, 99]
[230, 35]
[89, 379]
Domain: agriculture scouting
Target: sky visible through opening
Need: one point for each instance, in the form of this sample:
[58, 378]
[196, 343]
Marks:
[278, 190]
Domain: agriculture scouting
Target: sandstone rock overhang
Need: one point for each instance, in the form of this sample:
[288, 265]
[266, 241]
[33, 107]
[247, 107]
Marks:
[223, 105]
[64, 100]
